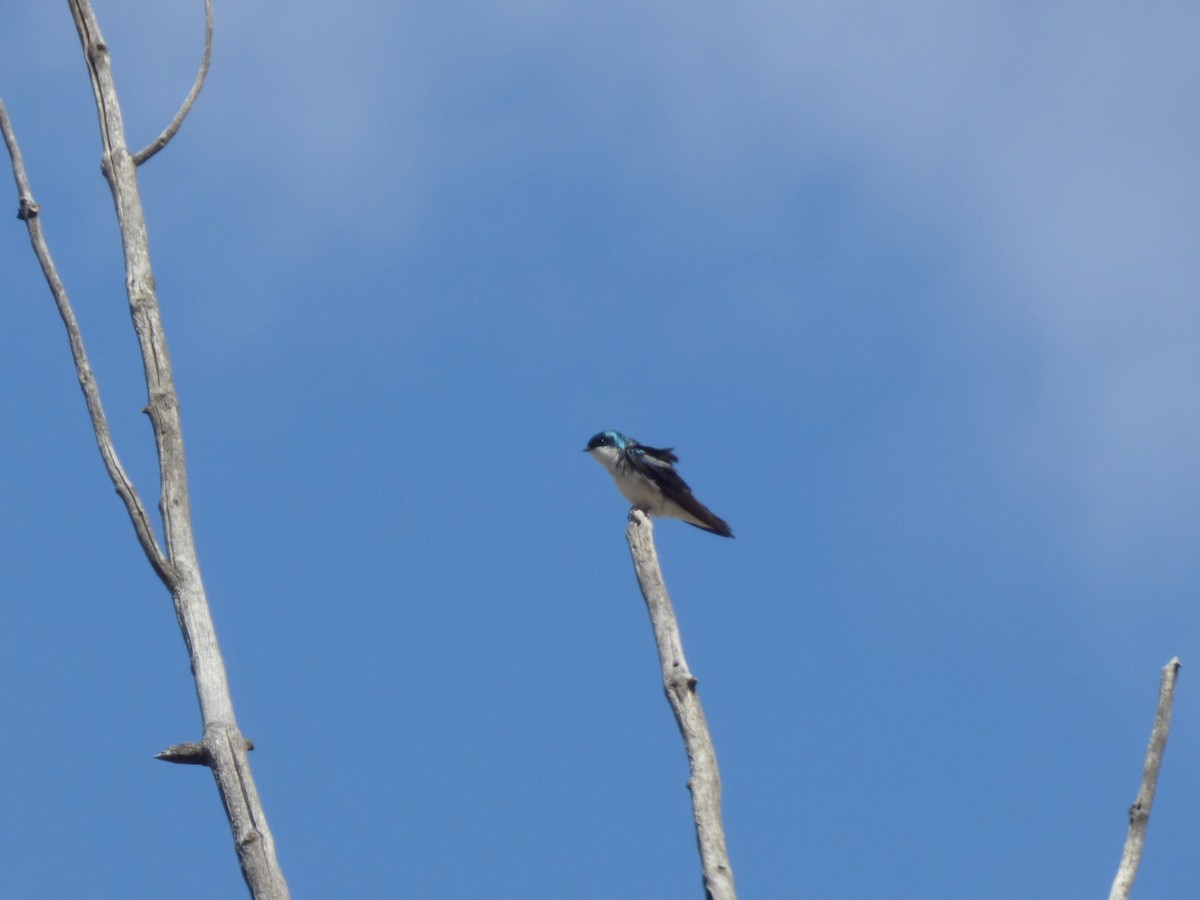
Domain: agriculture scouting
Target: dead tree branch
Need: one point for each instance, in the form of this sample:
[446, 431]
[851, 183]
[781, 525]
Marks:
[1139, 813]
[680, 687]
[223, 748]
[28, 211]
[169, 132]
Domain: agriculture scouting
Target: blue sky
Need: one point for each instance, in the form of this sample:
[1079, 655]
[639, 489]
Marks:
[910, 288]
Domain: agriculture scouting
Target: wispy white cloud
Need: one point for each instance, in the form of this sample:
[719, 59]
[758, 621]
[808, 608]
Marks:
[1046, 153]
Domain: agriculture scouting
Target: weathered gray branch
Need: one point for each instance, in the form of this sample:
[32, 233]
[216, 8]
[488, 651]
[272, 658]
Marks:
[680, 687]
[169, 132]
[29, 211]
[1139, 813]
[222, 748]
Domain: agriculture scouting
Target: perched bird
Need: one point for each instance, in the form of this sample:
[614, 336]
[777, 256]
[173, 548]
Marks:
[647, 478]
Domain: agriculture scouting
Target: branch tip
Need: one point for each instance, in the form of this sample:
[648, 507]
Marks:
[190, 754]
[1139, 812]
[169, 132]
[679, 685]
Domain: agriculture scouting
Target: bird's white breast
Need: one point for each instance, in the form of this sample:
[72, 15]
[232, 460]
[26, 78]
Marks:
[639, 491]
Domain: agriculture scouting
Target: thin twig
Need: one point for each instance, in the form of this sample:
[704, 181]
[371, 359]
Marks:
[29, 211]
[680, 687]
[169, 132]
[1139, 813]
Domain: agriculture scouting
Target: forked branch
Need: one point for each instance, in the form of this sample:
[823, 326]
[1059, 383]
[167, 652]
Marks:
[223, 748]
[29, 211]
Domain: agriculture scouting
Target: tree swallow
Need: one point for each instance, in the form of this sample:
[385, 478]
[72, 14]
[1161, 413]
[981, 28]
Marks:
[648, 480]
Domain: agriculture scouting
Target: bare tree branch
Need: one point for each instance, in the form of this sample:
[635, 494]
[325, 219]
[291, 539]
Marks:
[222, 748]
[224, 743]
[1139, 813]
[680, 687]
[28, 210]
[188, 753]
[169, 132]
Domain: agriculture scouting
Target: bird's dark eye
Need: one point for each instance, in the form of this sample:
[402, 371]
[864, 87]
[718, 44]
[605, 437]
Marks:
[600, 440]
